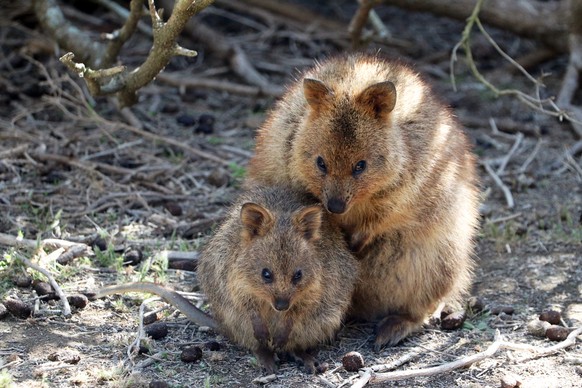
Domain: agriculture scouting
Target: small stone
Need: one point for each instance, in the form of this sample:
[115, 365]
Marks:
[213, 346]
[219, 177]
[557, 333]
[184, 265]
[510, 381]
[23, 281]
[156, 330]
[537, 327]
[79, 301]
[3, 311]
[552, 316]
[13, 357]
[150, 318]
[42, 288]
[170, 107]
[18, 308]
[476, 304]
[173, 208]
[353, 361]
[144, 348]
[191, 354]
[99, 243]
[205, 124]
[509, 310]
[578, 370]
[186, 120]
[65, 355]
[454, 321]
[158, 384]
[132, 256]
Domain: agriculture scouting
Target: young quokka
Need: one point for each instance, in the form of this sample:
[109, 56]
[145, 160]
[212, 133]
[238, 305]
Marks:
[369, 138]
[278, 275]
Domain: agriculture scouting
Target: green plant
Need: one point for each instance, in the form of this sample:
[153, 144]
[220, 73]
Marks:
[6, 379]
[238, 172]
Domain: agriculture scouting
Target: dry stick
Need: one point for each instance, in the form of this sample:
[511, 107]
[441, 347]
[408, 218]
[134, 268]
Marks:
[534, 102]
[504, 124]
[175, 143]
[298, 13]
[500, 184]
[512, 151]
[359, 20]
[7, 239]
[205, 83]
[368, 375]
[54, 284]
[222, 48]
[531, 157]
[140, 330]
[373, 377]
[570, 161]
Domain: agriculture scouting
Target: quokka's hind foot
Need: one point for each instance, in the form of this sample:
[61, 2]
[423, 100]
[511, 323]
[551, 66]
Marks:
[266, 358]
[394, 328]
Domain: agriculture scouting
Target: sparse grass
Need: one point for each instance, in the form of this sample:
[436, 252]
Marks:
[6, 379]
[109, 257]
[215, 140]
[237, 172]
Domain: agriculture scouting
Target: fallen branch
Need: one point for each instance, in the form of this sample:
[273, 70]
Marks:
[207, 83]
[541, 20]
[368, 375]
[221, 48]
[10, 240]
[96, 59]
[500, 184]
[51, 279]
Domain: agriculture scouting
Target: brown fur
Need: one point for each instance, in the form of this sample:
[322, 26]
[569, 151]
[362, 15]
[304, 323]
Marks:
[410, 213]
[280, 231]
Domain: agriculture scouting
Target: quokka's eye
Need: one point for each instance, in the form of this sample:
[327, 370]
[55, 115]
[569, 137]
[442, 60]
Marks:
[297, 276]
[359, 168]
[267, 275]
[321, 164]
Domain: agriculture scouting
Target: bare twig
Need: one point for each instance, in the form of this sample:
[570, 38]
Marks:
[500, 184]
[52, 281]
[368, 375]
[359, 20]
[509, 155]
[206, 83]
[534, 102]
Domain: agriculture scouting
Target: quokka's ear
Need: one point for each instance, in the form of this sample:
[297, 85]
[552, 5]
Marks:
[256, 220]
[316, 93]
[379, 99]
[308, 222]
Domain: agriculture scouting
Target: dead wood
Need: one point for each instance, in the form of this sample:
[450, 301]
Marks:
[370, 376]
[540, 20]
[221, 48]
[571, 78]
[96, 58]
[62, 296]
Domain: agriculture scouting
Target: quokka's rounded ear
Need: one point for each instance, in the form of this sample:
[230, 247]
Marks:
[379, 99]
[316, 93]
[308, 221]
[256, 220]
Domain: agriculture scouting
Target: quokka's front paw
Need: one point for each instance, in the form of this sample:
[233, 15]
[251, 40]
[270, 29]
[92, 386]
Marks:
[392, 329]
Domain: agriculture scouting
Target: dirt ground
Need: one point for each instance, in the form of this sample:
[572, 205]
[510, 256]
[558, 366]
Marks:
[72, 167]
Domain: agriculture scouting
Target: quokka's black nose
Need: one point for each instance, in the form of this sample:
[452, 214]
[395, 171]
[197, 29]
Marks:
[281, 304]
[336, 205]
